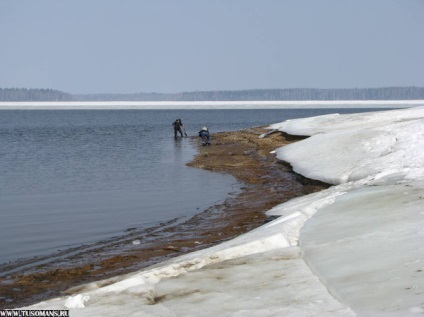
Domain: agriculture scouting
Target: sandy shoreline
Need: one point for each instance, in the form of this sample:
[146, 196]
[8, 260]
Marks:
[243, 154]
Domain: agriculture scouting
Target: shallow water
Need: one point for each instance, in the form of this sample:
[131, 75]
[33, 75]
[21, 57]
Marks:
[79, 176]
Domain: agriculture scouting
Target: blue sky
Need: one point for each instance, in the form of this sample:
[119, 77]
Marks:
[125, 46]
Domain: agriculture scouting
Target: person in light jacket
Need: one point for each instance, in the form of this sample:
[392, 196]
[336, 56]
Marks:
[205, 135]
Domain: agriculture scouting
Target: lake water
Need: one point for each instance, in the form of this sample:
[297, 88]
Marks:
[70, 177]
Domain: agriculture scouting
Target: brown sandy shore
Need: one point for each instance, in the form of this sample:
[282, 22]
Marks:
[266, 183]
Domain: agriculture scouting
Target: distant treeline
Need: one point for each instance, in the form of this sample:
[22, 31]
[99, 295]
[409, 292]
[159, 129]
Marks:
[391, 93]
[23, 94]
[388, 93]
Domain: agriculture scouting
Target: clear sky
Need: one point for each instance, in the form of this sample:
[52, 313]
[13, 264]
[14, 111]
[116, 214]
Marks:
[125, 46]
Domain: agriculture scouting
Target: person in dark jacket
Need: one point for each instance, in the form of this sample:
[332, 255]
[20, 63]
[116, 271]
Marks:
[177, 127]
[205, 135]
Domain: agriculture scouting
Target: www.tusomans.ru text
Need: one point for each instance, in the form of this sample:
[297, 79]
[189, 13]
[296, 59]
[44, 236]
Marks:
[35, 313]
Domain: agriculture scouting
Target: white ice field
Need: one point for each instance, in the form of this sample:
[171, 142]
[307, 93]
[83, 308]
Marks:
[157, 105]
[355, 249]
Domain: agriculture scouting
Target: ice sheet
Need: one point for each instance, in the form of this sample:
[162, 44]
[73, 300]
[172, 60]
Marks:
[366, 246]
[352, 147]
[268, 104]
[367, 249]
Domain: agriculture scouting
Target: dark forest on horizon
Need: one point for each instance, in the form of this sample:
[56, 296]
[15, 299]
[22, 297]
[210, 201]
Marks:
[297, 94]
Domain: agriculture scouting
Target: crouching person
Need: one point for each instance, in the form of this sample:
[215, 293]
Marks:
[205, 135]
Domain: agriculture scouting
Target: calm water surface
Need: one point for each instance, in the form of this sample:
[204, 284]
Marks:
[69, 177]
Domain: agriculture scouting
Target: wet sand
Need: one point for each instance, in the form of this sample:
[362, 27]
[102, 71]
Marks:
[266, 183]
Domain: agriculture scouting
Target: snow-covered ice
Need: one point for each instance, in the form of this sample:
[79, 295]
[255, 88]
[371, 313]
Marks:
[354, 249]
[267, 104]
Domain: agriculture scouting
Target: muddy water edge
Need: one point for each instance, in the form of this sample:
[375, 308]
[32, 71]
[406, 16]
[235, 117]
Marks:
[267, 182]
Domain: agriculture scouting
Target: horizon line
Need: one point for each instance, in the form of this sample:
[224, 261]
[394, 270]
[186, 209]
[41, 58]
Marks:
[181, 105]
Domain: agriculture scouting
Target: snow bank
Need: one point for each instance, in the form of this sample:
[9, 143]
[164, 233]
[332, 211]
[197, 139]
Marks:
[351, 147]
[366, 247]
